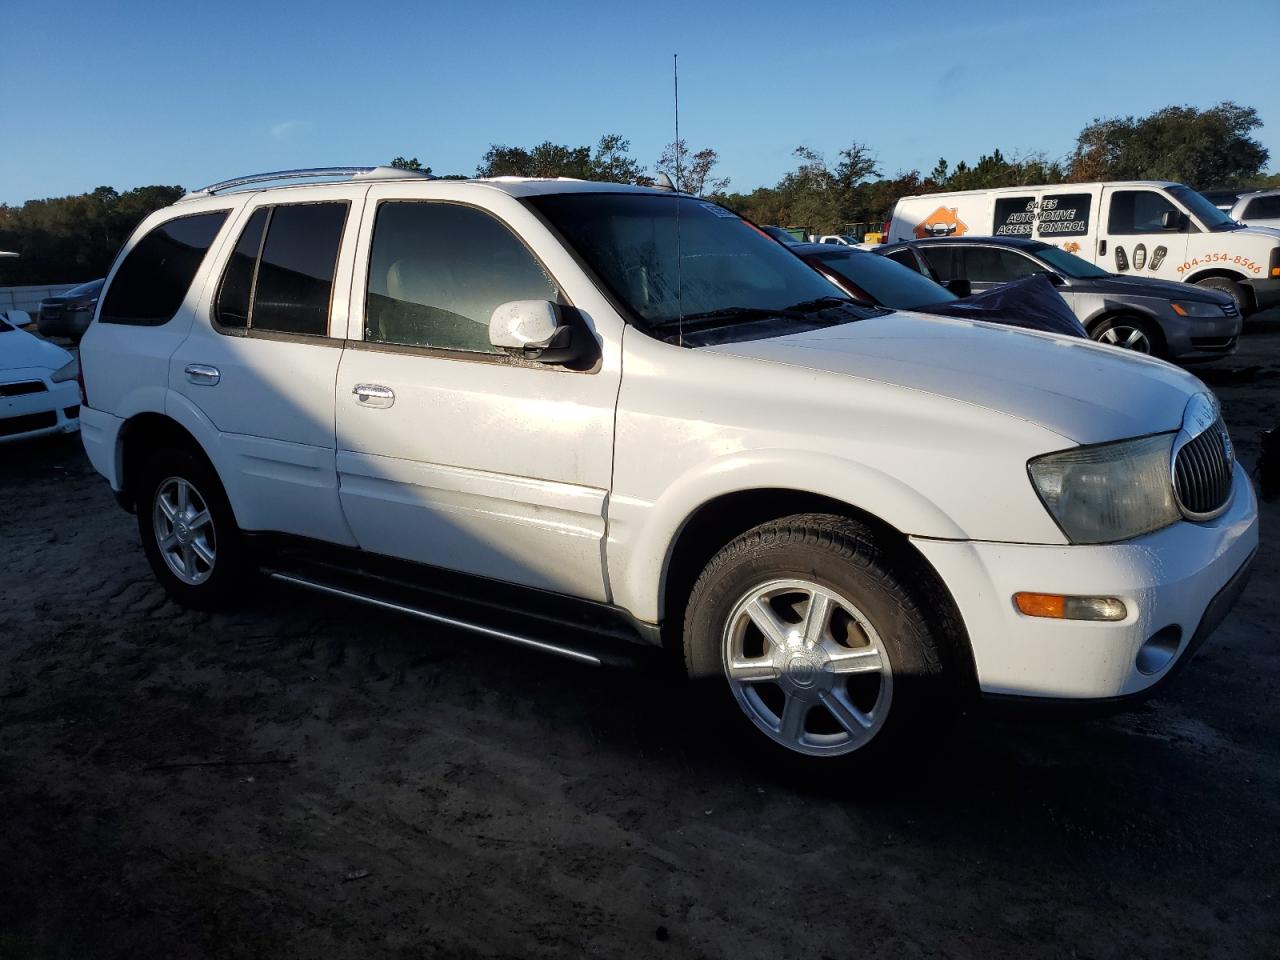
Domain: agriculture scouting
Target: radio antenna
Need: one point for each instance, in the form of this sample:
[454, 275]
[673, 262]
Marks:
[675, 78]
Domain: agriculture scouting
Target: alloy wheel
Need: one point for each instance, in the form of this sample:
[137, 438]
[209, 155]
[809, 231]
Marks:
[807, 667]
[184, 531]
[1131, 338]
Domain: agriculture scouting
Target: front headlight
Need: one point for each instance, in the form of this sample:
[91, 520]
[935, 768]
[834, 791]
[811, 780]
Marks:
[67, 371]
[1108, 492]
[1197, 308]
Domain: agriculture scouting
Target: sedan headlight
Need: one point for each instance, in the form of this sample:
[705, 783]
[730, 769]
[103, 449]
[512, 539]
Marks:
[66, 372]
[1197, 308]
[1108, 492]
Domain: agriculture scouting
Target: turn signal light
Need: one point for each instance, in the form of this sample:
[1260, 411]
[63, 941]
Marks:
[1058, 607]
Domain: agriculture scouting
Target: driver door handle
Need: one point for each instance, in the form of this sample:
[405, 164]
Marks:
[373, 395]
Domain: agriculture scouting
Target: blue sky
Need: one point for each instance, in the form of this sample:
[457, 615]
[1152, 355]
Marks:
[133, 93]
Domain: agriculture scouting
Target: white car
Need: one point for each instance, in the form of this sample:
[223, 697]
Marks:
[537, 410]
[1258, 209]
[38, 393]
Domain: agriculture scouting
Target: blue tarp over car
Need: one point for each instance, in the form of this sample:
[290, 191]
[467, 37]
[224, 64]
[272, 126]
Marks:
[1031, 302]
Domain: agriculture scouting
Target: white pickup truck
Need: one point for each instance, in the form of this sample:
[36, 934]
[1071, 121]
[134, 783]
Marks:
[563, 414]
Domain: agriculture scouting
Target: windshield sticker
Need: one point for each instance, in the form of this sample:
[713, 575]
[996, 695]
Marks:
[720, 211]
[943, 222]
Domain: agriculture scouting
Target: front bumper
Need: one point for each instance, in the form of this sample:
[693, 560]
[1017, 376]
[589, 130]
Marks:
[54, 409]
[1178, 579]
[1201, 338]
[1266, 291]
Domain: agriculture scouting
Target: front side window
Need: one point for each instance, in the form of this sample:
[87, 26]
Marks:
[279, 278]
[154, 278]
[941, 261]
[438, 270]
[990, 265]
[1138, 211]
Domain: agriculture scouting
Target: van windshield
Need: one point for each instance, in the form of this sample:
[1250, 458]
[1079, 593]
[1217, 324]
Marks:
[711, 266]
[1070, 264]
[1204, 211]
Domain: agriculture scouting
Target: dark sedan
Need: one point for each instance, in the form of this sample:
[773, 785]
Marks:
[1177, 321]
[69, 314]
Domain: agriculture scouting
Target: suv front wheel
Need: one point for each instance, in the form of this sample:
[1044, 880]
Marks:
[188, 530]
[814, 631]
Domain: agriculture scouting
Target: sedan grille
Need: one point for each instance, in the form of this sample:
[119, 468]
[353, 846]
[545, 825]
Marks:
[11, 426]
[1230, 309]
[1202, 473]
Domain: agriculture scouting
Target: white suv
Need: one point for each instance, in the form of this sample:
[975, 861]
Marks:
[563, 413]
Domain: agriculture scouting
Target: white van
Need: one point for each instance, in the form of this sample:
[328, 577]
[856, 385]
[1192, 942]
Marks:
[1142, 227]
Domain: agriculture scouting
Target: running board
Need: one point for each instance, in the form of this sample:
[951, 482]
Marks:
[581, 653]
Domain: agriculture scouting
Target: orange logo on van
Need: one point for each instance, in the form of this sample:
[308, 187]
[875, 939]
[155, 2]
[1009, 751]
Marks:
[943, 222]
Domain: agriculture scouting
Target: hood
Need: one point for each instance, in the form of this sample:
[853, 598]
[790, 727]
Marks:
[1120, 285]
[20, 349]
[1085, 392]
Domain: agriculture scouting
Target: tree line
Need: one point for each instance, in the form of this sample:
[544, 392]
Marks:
[68, 239]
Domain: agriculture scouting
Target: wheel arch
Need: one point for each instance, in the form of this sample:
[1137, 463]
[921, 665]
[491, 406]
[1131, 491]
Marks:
[1219, 272]
[144, 432]
[1120, 313]
[719, 520]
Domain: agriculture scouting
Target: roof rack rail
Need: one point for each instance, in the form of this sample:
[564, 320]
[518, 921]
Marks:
[312, 173]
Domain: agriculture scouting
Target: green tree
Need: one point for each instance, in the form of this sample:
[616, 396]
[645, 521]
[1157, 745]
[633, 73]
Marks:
[1202, 148]
[692, 172]
[609, 161]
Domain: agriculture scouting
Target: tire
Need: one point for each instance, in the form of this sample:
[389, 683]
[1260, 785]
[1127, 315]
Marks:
[191, 541]
[1232, 289]
[880, 671]
[1131, 333]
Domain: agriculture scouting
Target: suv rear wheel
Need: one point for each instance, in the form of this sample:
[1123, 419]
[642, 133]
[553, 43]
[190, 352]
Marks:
[188, 530]
[809, 626]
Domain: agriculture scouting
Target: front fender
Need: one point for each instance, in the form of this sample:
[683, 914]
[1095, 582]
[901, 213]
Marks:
[642, 534]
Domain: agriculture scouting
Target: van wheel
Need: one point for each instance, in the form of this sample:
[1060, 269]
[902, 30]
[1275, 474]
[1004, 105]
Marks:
[188, 531]
[1132, 333]
[1236, 291]
[807, 630]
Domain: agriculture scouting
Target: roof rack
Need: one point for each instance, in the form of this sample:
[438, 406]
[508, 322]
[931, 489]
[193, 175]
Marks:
[312, 173]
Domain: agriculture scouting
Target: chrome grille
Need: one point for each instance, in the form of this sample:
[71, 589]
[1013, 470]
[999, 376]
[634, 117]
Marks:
[1202, 471]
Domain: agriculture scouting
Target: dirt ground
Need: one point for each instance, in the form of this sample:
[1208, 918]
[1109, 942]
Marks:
[305, 778]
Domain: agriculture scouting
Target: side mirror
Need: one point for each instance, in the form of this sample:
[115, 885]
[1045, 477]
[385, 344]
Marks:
[1172, 220]
[531, 330]
[960, 286]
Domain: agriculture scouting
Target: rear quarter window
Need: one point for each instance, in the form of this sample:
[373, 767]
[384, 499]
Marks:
[154, 278]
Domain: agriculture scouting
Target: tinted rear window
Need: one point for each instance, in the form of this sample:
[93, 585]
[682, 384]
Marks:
[295, 272]
[1264, 207]
[154, 278]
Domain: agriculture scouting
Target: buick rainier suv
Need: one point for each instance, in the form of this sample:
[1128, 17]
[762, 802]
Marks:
[592, 419]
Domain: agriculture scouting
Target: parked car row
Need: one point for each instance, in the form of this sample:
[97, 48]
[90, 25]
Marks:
[569, 415]
[38, 392]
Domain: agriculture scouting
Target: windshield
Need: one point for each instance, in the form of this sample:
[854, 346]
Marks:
[888, 283]
[1069, 264]
[1202, 209]
[725, 267]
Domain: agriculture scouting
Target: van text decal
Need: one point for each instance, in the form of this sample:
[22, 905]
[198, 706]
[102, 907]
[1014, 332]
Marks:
[1064, 215]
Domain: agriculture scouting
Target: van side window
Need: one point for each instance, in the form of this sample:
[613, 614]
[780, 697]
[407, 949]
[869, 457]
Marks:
[1138, 211]
[153, 281]
[1063, 215]
[1014, 216]
[279, 278]
[438, 270]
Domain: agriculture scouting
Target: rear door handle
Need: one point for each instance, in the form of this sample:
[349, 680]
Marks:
[203, 374]
[373, 395]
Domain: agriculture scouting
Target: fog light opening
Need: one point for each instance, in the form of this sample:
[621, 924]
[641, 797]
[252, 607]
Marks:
[1159, 650]
[1056, 606]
